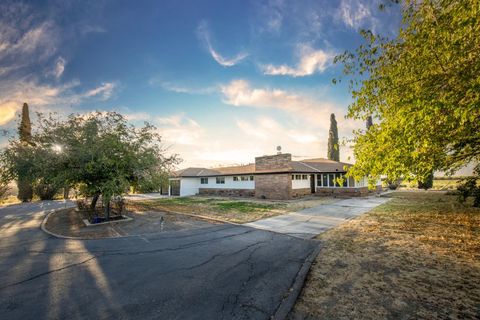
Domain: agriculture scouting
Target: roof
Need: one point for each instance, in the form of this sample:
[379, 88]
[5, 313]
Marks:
[304, 166]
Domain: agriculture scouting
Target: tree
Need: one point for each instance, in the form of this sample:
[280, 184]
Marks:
[333, 147]
[24, 181]
[369, 122]
[102, 154]
[424, 88]
[426, 183]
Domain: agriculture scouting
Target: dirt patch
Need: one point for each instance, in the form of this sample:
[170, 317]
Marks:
[69, 223]
[416, 257]
[237, 210]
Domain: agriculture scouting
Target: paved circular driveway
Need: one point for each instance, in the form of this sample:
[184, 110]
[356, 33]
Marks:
[215, 272]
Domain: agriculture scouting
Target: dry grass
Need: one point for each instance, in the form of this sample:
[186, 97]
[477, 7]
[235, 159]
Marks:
[416, 257]
[237, 210]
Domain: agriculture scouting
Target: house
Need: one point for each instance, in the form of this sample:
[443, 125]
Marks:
[270, 177]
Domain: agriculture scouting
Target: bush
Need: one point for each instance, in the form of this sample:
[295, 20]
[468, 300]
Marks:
[25, 190]
[3, 191]
[427, 183]
[469, 188]
[46, 191]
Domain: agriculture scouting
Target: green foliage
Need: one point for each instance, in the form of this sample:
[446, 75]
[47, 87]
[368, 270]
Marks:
[424, 88]
[333, 147]
[4, 188]
[99, 153]
[469, 188]
[427, 183]
[103, 155]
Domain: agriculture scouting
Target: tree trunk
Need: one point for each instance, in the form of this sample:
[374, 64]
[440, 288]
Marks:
[66, 192]
[94, 202]
[107, 210]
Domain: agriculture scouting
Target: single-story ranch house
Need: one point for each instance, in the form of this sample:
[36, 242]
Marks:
[270, 177]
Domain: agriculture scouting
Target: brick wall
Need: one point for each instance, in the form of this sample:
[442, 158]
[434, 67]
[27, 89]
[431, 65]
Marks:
[351, 192]
[273, 186]
[301, 192]
[277, 185]
[227, 192]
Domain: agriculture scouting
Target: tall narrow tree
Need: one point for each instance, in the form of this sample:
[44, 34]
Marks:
[25, 189]
[333, 147]
[369, 122]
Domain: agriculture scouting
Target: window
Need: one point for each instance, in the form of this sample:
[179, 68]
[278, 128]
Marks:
[351, 182]
[220, 180]
[203, 180]
[234, 179]
[298, 177]
[251, 178]
[331, 180]
[325, 180]
[319, 180]
[344, 180]
[293, 177]
[244, 178]
[304, 176]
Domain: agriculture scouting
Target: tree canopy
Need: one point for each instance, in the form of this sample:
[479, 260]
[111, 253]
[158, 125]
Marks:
[99, 153]
[423, 87]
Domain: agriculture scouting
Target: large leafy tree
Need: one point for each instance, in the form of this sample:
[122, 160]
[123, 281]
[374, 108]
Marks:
[333, 147]
[423, 87]
[104, 155]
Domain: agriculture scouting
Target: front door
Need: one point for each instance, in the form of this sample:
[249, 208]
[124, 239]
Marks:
[312, 183]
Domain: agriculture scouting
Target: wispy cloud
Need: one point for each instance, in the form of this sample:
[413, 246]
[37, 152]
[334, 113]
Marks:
[105, 91]
[58, 68]
[357, 14]
[180, 88]
[310, 62]
[7, 112]
[204, 35]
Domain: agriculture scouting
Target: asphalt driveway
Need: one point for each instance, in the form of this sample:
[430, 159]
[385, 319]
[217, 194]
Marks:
[216, 272]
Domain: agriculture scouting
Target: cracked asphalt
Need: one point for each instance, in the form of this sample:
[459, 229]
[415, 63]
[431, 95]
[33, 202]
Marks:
[215, 272]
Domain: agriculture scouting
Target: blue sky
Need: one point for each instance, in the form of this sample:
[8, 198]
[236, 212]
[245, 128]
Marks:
[224, 81]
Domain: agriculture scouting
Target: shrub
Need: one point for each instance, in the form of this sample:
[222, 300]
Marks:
[469, 188]
[3, 191]
[427, 183]
[46, 191]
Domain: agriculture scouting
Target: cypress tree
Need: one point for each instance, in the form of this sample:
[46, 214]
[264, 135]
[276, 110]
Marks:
[369, 122]
[333, 147]
[25, 190]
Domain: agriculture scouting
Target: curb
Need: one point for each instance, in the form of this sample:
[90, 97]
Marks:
[44, 228]
[288, 302]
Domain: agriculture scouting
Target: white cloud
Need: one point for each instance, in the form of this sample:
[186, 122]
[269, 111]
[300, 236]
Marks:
[178, 88]
[356, 14]
[310, 61]
[105, 90]
[179, 129]
[7, 111]
[204, 34]
[59, 67]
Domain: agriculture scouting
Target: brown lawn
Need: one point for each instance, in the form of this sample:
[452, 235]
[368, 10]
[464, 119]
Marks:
[416, 257]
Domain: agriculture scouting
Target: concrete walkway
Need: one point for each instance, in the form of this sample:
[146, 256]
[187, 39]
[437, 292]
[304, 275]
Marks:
[310, 222]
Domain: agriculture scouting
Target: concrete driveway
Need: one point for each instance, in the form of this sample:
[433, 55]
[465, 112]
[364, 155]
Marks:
[310, 222]
[216, 272]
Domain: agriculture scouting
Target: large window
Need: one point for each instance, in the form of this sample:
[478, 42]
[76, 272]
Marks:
[331, 180]
[235, 178]
[325, 180]
[319, 180]
[244, 178]
[251, 178]
[220, 180]
[203, 180]
[304, 176]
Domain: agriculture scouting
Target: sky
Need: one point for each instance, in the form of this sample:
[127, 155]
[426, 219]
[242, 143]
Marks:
[223, 81]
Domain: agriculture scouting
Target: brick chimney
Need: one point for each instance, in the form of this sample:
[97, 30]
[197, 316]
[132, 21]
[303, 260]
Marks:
[275, 162]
